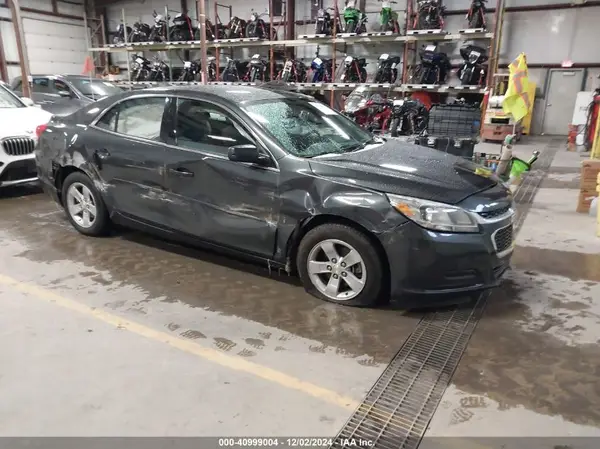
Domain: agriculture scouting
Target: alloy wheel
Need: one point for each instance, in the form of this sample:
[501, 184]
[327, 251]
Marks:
[81, 205]
[336, 269]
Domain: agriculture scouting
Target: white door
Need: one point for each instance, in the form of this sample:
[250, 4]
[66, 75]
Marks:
[560, 100]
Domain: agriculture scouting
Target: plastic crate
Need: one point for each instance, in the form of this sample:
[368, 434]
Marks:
[463, 148]
[457, 121]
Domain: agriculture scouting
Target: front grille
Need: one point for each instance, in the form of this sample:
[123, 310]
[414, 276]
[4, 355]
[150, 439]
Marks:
[19, 170]
[18, 146]
[488, 214]
[503, 238]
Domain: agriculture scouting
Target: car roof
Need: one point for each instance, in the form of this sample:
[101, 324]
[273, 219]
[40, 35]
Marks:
[230, 93]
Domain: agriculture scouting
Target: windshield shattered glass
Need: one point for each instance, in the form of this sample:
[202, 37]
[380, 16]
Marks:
[307, 128]
[9, 100]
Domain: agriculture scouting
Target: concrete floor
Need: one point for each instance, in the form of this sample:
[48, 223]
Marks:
[128, 335]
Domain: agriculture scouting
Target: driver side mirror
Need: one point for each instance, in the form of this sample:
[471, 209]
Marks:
[64, 93]
[247, 153]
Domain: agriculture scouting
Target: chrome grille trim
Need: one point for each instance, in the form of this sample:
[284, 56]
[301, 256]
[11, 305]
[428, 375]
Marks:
[18, 146]
[504, 251]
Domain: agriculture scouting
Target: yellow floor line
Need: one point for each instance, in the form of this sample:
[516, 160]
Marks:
[215, 356]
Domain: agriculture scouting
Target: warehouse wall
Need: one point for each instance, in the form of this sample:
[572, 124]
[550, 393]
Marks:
[55, 39]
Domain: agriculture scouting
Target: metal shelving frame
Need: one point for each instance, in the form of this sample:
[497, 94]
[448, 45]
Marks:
[372, 38]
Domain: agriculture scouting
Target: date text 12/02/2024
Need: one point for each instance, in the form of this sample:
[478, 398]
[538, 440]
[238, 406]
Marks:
[292, 442]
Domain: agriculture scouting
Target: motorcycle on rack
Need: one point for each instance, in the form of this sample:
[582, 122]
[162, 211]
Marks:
[257, 70]
[371, 112]
[257, 27]
[119, 37]
[387, 69]
[430, 15]
[140, 32]
[182, 29]
[190, 72]
[354, 70]
[235, 28]
[210, 31]
[140, 68]
[160, 71]
[325, 23]
[434, 66]
[231, 72]
[476, 15]
[355, 21]
[321, 70]
[472, 72]
[388, 19]
[409, 117]
[294, 71]
[159, 30]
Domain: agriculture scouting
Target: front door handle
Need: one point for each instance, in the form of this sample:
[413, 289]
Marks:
[180, 171]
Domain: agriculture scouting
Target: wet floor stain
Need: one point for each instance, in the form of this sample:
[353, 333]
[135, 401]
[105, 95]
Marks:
[246, 353]
[174, 274]
[172, 326]
[224, 344]
[256, 343]
[573, 265]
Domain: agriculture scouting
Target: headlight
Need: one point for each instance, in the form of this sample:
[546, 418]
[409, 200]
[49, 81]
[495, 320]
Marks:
[434, 216]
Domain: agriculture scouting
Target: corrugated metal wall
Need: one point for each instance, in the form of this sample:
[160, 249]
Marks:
[55, 39]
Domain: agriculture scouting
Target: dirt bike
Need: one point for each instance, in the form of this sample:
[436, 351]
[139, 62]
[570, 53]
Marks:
[388, 19]
[430, 15]
[476, 14]
[354, 20]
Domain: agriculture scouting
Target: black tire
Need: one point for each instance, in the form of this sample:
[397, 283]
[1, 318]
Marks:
[251, 30]
[394, 127]
[101, 224]
[285, 77]
[373, 288]
[475, 20]
[320, 28]
[363, 76]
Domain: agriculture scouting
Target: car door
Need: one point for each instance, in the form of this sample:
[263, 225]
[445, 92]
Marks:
[127, 147]
[228, 203]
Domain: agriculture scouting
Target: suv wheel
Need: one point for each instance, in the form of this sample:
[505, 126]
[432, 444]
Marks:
[339, 264]
[84, 205]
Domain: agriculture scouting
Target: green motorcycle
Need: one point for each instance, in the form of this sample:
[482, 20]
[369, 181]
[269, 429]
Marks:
[354, 20]
[388, 19]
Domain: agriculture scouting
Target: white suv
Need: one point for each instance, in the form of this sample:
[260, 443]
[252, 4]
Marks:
[19, 119]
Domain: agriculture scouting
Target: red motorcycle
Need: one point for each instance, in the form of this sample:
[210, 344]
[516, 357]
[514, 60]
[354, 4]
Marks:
[369, 111]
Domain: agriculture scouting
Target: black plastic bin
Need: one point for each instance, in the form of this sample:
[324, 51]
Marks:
[463, 148]
[458, 121]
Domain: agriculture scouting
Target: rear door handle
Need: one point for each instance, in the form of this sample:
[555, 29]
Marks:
[180, 171]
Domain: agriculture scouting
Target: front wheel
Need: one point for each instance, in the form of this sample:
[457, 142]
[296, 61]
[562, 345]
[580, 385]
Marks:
[251, 30]
[394, 126]
[84, 205]
[338, 263]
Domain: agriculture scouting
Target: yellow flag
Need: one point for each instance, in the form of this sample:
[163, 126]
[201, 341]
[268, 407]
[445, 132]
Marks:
[516, 100]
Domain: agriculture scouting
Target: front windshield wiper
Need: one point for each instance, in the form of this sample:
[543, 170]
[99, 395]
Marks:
[360, 146]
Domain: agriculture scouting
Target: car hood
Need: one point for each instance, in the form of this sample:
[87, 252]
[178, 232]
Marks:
[406, 169]
[21, 121]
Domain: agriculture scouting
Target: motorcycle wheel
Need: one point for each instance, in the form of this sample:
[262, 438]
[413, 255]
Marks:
[251, 30]
[349, 28]
[423, 23]
[285, 77]
[394, 125]
[320, 28]
[362, 76]
[475, 20]
[153, 36]
[117, 40]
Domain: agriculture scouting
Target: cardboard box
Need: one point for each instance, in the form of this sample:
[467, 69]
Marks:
[585, 200]
[589, 174]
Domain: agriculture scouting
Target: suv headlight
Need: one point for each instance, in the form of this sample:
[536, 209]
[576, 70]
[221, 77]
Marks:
[434, 216]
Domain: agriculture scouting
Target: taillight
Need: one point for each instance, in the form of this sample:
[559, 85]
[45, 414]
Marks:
[40, 129]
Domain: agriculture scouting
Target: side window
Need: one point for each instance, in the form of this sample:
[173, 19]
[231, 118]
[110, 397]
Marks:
[60, 86]
[202, 126]
[138, 117]
[41, 85]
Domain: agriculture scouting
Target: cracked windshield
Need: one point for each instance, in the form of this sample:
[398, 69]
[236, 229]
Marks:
[309, 129]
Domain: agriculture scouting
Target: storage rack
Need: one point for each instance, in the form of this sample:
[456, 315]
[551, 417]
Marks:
[370, 38]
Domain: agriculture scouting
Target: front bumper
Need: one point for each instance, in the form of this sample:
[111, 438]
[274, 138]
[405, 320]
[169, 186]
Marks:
[426, 262]
[16, 172]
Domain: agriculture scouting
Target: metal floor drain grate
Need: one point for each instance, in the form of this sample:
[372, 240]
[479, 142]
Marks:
[398, 408]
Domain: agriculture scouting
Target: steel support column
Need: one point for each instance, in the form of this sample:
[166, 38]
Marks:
[202, 27]
[15, 10]
[3, 66]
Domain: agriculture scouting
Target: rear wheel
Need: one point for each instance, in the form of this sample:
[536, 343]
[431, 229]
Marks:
[84, 205]
[338, 263]
[394, 127]
[251, 30]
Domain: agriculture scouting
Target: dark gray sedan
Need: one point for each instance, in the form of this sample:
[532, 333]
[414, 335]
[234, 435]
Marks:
[284, 179]
[64, 94]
